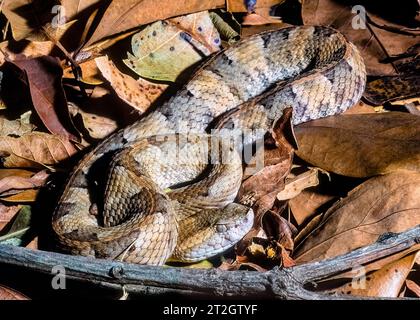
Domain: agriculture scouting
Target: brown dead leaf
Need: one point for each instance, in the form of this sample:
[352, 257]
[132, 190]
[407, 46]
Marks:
[7, 213]
[362, 145]
[277, 228]
[382, 204]
[27, 17]
[97, 126]
[386, 282]
[139, 94]
[44, 80]
[34, 149]
[200, 26]
[13, 180]
[14, 127]
[123, 15]
[28, 195]
[414, 287]
[90, 73]
[73, 8]
[360, 108]
[10, 294]
[33, 245]
[307, 203]
[296, 184]
[260, 17]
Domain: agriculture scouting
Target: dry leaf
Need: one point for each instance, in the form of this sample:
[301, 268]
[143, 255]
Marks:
[34, 149]
[389, 203]
[360, 108]
[73, 8]
[44, 79]
[12, 180]
[90, 73]
[164, 49]
[7, 213]
[139, 94]
[98, 127]
[200, 26]
[123, 15]
[26, 17]
[10, 294]
[296, 184]
[29, 195]
[413, 287]
[307, 204]
[14, 127]
[260, 190]
[362, 145]
[340, 16]
[386, 282]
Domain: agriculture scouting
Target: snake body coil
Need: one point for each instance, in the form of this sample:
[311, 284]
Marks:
[312, 69]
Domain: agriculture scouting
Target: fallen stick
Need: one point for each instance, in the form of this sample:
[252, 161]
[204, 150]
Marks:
[280, 283]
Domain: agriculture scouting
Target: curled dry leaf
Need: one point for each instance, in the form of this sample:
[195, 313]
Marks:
[139, 94]
[362, 145]
[44, 79]
[385, 282]
[12, 180]
[34, 149]
[389, 203]
[10, 294]
[163, 50]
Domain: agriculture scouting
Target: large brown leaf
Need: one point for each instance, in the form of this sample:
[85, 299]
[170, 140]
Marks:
[34, 149]
[389, 203]
[44, 79]
[362, 145]
[385, 282]
[123, 15]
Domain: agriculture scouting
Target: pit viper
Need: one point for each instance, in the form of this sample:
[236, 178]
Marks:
[162, 196]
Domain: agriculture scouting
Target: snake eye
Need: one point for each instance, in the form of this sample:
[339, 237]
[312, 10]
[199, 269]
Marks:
[221, 228]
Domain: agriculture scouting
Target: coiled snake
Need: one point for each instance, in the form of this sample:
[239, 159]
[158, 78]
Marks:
[162, 199]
